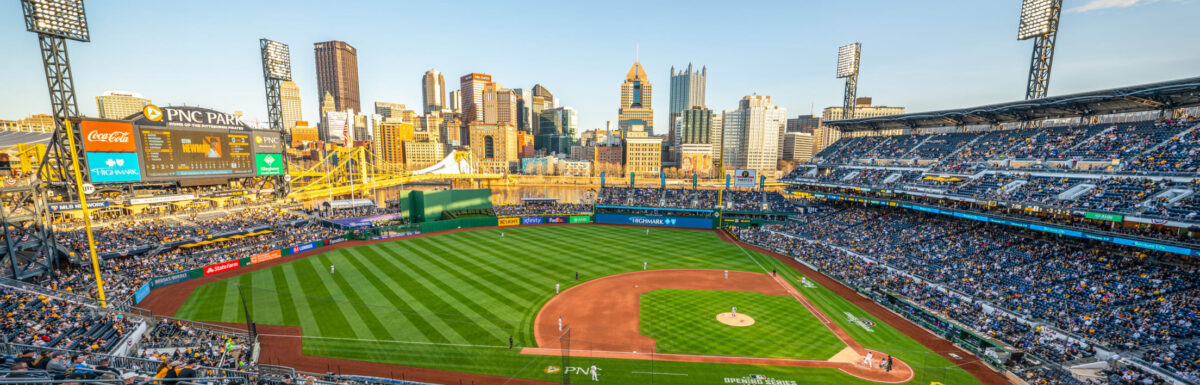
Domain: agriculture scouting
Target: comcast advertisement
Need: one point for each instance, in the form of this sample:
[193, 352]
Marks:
[268, 164]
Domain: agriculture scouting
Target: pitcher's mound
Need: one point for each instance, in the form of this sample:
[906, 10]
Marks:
[731, 320]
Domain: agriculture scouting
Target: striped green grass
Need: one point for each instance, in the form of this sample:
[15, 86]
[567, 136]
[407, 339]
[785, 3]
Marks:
[451, 301]
[685, 322]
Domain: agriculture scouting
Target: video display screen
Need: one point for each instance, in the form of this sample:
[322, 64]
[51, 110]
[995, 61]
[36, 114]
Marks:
[172, 154]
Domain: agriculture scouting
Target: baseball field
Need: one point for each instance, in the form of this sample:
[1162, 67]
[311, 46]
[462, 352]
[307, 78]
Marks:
[646, 308]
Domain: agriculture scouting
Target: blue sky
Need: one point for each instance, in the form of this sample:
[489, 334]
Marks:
[923, 55]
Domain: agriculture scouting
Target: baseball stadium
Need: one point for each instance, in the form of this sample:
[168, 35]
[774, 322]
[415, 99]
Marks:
[1045, 240]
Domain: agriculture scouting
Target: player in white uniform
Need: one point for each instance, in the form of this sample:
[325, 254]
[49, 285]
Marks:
[331, 268]
[595, 373]
[556, 289]
[560, 323]
[734, 311]
[867, 360]
[726, 274]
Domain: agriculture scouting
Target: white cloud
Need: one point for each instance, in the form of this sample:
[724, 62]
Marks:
[1093, 5]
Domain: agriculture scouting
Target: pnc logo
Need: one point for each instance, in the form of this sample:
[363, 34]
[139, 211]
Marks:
[152, 113]
[553, 369]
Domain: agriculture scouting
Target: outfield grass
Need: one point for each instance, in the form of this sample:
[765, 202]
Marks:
[684, 322]
[451, 301]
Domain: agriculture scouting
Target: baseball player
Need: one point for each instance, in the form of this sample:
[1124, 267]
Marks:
[867, 359]
[734, 311]
[501, 234]
[726, 274]
[595, 373]
[556, 289]
[647, 231]
[331, 268]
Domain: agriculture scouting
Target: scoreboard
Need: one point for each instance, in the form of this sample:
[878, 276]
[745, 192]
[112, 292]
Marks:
[172, 154]
[176, 143]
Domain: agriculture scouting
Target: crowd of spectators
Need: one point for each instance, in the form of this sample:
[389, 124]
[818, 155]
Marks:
[37, 320]
[124, 275]
[543, 208]
[1125, 300]
[132, 235]
[757, 201]
[174, 340]
[658, 197]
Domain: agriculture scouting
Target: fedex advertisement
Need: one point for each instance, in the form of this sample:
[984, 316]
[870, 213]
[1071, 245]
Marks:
[556, 219]
[646, 220]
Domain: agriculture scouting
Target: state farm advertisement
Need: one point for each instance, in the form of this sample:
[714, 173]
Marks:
[220, 267]
[267, 256]
[100, 136]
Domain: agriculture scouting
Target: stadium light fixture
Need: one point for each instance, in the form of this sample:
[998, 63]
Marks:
[61, 18]
[277, 60]
[847, 63]
[1035, 19]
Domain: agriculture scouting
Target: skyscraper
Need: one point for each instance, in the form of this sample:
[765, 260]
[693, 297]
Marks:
[472, 86]
[120, 104]
[524, 112]
[454, 102]
[289, 95]
[687, 91]
[433, 88]
[752, 134]
[337, 74]
[636, 109]
[390, 110]
[547, 97]
[499, 105]
[558, 126]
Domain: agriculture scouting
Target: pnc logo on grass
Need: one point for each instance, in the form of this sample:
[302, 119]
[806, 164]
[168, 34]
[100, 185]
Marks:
[553, 369]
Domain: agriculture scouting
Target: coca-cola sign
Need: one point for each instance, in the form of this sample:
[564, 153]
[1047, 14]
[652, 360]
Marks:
[102, 136]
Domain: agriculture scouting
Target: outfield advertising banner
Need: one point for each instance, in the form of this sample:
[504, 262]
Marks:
[222, 267]
[335, 240]
[556, 219]
[170, 279]
[646, 220]
[267, 256]
[513, 221]
[141, 293]
[531, 220]
[581, 219]
[305, 247]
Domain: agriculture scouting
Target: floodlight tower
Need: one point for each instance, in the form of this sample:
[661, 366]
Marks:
[1039, 21]
[34, 251]
[277, 67]
[847, 67]
[55, 22]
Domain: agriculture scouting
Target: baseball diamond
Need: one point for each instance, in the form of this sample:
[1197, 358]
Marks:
[450, 301]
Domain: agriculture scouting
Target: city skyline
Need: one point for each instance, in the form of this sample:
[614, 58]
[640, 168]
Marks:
[791, 63]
